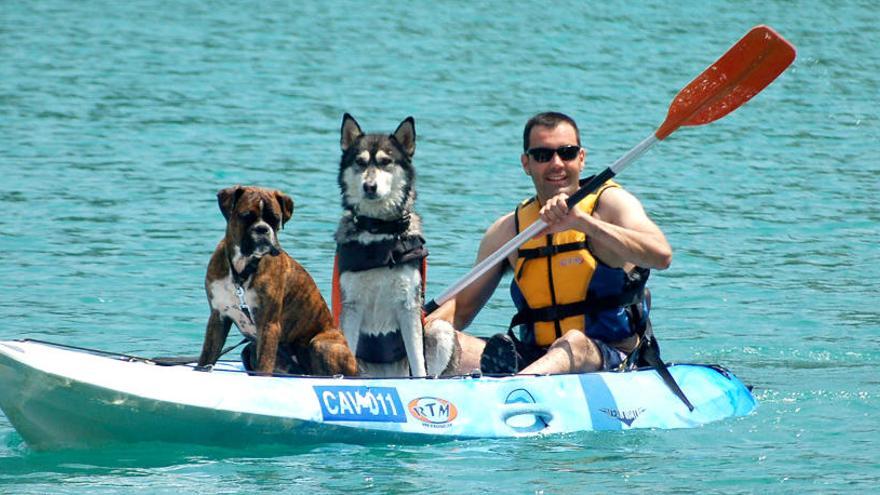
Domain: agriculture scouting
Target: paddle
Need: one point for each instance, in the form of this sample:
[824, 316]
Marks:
[741, 73]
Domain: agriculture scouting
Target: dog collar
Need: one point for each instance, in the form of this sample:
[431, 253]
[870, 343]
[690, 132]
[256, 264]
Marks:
[240, 278]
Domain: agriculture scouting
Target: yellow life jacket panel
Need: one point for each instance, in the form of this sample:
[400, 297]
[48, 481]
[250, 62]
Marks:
[559, 285]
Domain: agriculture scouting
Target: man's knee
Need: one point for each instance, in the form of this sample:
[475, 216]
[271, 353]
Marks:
[583, 353]
[576, 341]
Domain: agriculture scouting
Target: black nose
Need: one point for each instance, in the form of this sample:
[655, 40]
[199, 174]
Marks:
[370, 187]
[261, 230]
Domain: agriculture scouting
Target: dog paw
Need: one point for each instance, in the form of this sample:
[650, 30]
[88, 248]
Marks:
[331, 357]
[442, 350]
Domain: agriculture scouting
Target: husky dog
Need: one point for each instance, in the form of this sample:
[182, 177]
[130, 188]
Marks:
[380, 251]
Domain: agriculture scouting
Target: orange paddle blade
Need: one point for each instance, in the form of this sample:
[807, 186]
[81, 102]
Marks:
[741, 73]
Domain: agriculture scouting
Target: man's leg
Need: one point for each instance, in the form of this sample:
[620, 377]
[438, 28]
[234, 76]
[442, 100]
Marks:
[471, 351]
[574, 352]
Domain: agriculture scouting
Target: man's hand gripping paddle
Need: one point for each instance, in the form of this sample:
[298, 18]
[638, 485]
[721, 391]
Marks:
[741, 73]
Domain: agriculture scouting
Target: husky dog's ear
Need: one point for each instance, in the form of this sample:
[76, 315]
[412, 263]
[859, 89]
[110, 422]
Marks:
[350, 131]
[286, 203]
[406, 135]
[227, 198]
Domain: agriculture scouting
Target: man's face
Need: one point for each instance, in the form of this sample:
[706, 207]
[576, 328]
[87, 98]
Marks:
[556, 175]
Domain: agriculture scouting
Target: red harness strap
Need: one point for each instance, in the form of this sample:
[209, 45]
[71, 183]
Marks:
[335, 294]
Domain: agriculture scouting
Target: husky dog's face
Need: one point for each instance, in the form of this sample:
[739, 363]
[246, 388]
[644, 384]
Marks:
[376, 174]
[253, 218]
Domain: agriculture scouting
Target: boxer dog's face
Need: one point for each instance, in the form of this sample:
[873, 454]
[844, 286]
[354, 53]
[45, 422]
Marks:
[253, 218]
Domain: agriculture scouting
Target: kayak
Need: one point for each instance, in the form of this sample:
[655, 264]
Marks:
[62, 397]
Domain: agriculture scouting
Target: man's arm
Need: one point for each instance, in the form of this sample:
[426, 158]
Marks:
[619, 231]
[463, 308]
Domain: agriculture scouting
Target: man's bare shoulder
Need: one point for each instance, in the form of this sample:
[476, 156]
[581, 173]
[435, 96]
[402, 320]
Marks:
[504, 225]
[616, 205]
[502, 230]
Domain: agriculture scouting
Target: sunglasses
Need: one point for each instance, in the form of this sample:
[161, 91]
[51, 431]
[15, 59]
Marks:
[542, 155]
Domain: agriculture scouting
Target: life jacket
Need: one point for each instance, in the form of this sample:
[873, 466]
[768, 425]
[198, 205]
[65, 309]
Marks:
[359, 258]
[559, 285]
[356, 257]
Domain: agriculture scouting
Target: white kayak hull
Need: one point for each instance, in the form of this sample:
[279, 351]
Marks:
[58, 397]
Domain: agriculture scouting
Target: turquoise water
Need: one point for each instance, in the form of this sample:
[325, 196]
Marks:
[120, 121]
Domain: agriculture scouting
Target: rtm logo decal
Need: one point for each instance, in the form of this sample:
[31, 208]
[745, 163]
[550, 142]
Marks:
[626, 417]
[433, 411]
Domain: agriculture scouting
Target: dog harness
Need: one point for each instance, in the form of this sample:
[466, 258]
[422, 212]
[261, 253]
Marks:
[400, 249]
[560, 285]
[387, 253]
[357, 257]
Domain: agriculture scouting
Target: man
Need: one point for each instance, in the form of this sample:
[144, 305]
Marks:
[579, 284]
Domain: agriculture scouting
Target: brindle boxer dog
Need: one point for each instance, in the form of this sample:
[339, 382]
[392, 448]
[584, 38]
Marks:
[273, 301]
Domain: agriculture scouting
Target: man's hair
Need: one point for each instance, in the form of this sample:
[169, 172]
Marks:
[551, 120]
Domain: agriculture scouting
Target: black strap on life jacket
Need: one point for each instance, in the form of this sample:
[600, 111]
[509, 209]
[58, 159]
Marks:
[546, 251]
[631, 295]
[380, 226]
[550, 250]
[357, 257]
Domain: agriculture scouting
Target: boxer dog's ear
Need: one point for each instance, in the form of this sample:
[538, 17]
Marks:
[286, 203]
[227, 198]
